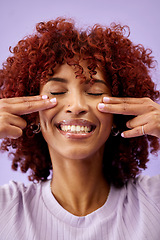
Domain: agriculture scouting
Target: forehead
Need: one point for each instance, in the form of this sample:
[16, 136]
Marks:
[69, 74]
[83, 71]
[65, 74]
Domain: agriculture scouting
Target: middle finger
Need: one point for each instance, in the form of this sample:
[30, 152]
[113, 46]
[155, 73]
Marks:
[27, 107]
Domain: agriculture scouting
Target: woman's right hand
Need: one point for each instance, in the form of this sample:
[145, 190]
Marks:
[11, 124]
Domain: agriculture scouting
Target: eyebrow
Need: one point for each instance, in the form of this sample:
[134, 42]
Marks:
[57, 79]
[98, 81]
[63, 80]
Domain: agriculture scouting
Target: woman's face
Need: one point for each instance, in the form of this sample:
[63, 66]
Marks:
[75, 129]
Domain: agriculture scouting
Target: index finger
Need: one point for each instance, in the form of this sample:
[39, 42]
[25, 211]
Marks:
[126, 106]
[22, 99]
[128, 100]
[27, 105]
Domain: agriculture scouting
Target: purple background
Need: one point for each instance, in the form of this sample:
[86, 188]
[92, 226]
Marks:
[18, 19]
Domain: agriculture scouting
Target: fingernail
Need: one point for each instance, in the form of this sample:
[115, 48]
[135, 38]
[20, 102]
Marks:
[101, 105]
[122, 134]
[53, 100]
[106, 99]
[44, 96]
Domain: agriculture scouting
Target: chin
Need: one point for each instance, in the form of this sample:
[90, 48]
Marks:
[80, 153]
[76, 155]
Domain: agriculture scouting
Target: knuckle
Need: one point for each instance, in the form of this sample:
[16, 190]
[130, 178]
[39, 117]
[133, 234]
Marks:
[156, 114]
[124, 100]
[28, 105]
[151, 108]
[125, 107]
[149, 104]
[146, 100]
[3, 106]
[138, 131]
[3, 118]
[155, 118]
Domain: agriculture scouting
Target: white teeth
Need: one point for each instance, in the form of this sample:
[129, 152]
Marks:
[75, 129]
[78, 128]
[82, 128]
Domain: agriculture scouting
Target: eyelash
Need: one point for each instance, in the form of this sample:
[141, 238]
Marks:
[95, 94]
[57, 93]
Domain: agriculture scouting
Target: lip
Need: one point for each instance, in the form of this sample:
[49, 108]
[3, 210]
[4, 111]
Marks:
[76, 122]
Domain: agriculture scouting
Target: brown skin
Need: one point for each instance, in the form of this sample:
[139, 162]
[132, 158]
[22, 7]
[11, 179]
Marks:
[146, 111]
[78, 183]
[11, 124]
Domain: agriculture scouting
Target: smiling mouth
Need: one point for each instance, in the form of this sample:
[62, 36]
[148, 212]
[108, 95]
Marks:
[80, 127]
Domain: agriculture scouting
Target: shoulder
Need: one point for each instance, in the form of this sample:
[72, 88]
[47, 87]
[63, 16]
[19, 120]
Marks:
[147, 184]
[136, 211]
[17, 192]
[145, 188]
[21, 209]
[13, 188]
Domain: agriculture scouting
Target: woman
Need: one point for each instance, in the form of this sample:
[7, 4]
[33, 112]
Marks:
[83, 104]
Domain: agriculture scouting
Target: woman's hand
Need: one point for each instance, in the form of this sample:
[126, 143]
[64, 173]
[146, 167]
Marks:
[11, 124]
[147, 114]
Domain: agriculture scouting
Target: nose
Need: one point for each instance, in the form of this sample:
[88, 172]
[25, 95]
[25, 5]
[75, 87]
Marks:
[77, 104]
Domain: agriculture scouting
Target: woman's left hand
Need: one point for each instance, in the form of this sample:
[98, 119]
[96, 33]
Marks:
[146, 111]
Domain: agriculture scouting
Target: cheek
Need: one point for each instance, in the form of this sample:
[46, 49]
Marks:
[47, 116]
[105, 119]
[46, 121]
[44, 116]
[106, 122]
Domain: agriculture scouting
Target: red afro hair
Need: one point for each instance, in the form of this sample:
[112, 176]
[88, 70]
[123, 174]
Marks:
[126, 66]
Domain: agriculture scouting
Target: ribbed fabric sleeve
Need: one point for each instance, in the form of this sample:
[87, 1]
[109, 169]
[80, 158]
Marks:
[32, 213]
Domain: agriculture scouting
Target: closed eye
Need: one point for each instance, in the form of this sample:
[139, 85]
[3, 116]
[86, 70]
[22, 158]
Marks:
[57, 93]
[89, 93]
[95, 94]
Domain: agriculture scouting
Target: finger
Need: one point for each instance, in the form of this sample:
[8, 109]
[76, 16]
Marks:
[135, 132]
[11, 126]
[12, 132]
[129, 100]
[147, 129]
[140, 120]
[128, 106]
[27, 107]
[21, 99]
[123, 108]
[151, 121]
[10, 119]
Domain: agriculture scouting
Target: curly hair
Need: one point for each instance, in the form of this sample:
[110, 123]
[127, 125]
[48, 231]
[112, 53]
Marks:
[127, 67]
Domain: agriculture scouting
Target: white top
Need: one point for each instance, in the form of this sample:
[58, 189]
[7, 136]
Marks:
[32, 213]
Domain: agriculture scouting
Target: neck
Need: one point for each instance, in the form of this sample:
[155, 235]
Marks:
[79, 185]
